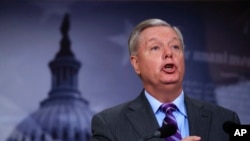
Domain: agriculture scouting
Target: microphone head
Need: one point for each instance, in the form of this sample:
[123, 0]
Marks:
[167, 130]
[229, 126]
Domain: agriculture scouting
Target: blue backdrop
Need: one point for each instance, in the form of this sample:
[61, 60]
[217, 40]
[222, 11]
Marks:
[216, 36]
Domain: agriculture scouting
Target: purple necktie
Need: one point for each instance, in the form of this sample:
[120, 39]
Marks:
[168, 109]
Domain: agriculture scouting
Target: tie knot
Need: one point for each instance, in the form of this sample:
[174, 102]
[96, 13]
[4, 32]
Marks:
[168, 108]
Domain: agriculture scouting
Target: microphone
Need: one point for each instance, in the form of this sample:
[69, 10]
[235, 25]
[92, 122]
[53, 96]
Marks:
[229, 126]
[162, 132]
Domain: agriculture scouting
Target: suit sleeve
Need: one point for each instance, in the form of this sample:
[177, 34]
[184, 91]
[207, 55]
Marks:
[100, 129]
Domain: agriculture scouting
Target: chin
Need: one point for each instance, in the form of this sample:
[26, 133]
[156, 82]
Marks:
[169, 86]
[171, 81]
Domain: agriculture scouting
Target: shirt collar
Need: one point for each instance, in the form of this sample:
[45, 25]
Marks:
[179, 102]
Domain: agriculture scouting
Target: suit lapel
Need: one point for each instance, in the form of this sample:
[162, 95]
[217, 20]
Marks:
[199, 119]
[141, 116]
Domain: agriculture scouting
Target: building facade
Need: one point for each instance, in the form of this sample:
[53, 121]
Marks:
[64, 115]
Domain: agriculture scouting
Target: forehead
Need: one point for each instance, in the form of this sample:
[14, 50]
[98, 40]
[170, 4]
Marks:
[159, 31]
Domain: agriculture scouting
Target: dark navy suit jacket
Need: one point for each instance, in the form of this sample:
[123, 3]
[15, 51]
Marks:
[135, 119]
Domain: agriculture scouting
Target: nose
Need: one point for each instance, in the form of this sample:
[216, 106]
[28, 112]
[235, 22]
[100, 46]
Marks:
[167, 54]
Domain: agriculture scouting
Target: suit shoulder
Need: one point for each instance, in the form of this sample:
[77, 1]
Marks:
[115, 110]
[211, 106]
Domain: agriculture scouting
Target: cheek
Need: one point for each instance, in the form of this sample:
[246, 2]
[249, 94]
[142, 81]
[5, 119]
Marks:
[149, 64]
[182, 65]
[155, 68]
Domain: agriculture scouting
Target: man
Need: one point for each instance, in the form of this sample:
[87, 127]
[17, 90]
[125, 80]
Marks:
[157, 56]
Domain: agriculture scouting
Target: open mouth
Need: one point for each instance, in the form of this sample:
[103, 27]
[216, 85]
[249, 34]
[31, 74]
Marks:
[169, 68]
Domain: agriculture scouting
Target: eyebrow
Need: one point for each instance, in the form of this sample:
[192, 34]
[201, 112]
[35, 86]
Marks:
[174, 39]
[154, 40]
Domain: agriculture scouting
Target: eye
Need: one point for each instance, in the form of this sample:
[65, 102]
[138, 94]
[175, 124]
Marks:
[155, 48]
[176, 47]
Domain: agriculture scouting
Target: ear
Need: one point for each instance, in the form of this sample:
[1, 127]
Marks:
[135, 63]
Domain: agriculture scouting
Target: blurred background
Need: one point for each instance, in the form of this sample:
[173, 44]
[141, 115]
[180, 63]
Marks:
[217, 48]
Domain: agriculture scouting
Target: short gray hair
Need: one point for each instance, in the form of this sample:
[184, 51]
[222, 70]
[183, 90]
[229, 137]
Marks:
[134, 36]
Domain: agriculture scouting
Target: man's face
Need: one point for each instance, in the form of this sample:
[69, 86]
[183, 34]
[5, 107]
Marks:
[160, 58]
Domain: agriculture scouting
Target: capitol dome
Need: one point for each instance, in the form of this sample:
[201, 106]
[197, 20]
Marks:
[64, 115]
